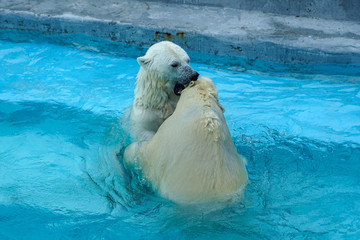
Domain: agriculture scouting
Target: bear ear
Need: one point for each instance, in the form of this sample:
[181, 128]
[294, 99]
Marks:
[143, 61]
[191, 84]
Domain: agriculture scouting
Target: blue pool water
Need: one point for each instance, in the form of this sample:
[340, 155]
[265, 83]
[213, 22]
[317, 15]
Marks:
[61, 178]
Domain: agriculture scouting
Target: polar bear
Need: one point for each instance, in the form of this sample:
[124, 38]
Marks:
[192, 157]
[164, 73]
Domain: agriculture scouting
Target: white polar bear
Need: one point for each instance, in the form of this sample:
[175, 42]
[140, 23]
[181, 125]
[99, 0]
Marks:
[164, 73]
[192, 157]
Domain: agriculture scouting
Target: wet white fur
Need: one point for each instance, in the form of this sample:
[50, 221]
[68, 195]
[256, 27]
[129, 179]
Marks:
[154, 99]
[192, 157]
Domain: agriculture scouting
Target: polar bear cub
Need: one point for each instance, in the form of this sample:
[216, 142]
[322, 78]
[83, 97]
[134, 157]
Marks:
[192, 157]
[164, 73]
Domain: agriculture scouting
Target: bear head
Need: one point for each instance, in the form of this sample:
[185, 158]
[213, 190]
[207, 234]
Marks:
[204, 89]
[168, 62]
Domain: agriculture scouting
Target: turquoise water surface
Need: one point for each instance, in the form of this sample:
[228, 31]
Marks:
[61, 178]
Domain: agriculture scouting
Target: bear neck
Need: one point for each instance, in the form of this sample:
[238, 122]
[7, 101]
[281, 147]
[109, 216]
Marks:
[151, 90]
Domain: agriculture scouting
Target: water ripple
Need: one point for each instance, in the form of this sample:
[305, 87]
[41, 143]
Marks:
[61, 174]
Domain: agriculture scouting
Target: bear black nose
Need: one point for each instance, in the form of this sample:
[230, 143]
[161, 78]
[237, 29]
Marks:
[195, 76]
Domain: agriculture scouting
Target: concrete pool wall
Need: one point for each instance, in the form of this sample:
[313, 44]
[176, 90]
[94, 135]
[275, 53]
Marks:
[305, 32]
[347, 10]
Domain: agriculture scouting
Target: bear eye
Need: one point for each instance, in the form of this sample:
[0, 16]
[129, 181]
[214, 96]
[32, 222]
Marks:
[175, 64]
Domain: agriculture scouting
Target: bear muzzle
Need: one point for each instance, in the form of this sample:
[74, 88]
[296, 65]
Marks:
[195, 76]
[179, 87]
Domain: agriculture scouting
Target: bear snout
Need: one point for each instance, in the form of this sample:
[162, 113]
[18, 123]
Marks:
[195, 76]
